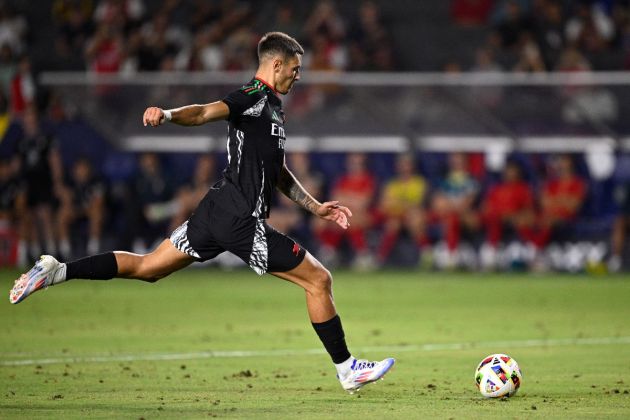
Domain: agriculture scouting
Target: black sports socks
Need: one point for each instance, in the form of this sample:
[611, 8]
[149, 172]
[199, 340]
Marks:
[95, 267]
[332, 336]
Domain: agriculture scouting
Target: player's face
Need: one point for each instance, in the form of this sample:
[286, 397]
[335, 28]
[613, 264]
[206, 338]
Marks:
[289, 73]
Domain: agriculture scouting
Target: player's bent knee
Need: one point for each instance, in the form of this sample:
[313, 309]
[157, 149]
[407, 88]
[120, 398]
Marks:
[151, 278]
[146, 272]
[322, 280]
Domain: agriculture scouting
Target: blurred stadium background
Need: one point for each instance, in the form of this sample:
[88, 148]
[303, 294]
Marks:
[420, 115]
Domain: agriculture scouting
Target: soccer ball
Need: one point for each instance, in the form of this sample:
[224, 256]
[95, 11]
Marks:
[497, 376]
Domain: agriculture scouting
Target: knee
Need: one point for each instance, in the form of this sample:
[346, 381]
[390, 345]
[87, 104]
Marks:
[322, 281]
[146, 272]
[151, 278]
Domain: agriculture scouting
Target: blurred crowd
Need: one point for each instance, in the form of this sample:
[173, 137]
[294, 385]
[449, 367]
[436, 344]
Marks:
[548, 35]
[528, 216]
[196, 35]
[531, 215]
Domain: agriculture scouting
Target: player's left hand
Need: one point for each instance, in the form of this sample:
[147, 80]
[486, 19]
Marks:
[333, 211]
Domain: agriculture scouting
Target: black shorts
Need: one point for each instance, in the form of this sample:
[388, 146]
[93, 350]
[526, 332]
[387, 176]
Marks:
[212, 230]
[39, 193]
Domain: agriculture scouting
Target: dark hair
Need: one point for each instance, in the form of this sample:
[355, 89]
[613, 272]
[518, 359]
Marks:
[278, 43]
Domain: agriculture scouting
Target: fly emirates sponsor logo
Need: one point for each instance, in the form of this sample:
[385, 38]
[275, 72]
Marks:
[278, 131]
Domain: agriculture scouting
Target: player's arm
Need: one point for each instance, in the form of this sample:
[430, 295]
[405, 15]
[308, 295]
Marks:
[330, 210]
[186, 115]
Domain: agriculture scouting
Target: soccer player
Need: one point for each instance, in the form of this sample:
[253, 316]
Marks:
[231, 217]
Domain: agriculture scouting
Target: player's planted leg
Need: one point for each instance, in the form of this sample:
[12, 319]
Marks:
[317, 283]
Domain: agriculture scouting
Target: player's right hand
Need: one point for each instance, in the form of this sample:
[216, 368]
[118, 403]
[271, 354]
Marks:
[153, 116]
[335, 212]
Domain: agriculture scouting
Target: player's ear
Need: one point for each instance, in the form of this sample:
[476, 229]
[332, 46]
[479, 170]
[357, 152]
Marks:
[277, 64]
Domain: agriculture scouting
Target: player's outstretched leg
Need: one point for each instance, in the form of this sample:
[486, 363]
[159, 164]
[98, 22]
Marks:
[151, 267]
[353, 373]
[43, 274]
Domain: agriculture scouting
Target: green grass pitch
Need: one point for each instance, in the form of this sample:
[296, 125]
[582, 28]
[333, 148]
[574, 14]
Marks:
[206, 343]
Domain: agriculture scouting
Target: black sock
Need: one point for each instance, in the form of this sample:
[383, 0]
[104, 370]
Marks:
[95, 267]
[331, 334]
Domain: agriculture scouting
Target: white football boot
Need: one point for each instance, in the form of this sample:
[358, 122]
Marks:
[363, 372]
[42, 275]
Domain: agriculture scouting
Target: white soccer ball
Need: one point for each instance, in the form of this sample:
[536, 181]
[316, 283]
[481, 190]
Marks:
[497, 376]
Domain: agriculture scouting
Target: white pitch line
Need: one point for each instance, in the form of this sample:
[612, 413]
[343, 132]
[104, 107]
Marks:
[305, 352]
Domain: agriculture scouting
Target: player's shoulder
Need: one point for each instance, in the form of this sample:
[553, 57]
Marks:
[249, 99]
[252, 91]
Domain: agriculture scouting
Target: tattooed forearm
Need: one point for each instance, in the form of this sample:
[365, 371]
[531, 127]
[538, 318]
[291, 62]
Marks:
[304, 199]
[291, 187]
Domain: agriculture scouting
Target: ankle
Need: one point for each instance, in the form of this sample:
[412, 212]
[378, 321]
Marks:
[344, 368]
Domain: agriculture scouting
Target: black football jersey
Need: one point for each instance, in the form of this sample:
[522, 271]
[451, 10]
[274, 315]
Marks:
[34, 152]
[255, 147]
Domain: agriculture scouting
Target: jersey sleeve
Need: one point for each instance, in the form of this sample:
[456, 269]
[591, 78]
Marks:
[238, 102]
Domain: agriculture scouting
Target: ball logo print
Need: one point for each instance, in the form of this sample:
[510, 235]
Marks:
[498, 376]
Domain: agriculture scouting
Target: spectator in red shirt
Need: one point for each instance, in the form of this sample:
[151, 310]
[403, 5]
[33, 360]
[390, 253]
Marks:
[355, 189]
[471, 12]
[23, 88]
[510, 203]
[105, 51]
[561, 199]
[507, 206]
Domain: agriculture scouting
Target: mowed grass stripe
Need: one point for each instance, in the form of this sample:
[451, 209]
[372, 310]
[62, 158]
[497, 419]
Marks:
[306, 352]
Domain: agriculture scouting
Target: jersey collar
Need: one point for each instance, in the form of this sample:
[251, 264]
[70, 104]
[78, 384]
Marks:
[267, 84]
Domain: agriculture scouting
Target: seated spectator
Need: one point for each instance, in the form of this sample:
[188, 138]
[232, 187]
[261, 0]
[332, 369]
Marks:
[202, 53]
[488, 96]
[159, 40]
[561, 199]
[151, 208]
[400, 207]
[356, 190]
[11, 209]
[119, 13]
[585, 104]
[590, 28]
[9, 190]
[188, 196]
[23, 89]
[530, 59]
[105, 51]
[237, 49]
[513, 24]
[549, 32]
[13, 28]
[325, 20]
[619, 232]
[292, 219]
[370, 45]
[285, 215]
[7, 69]
[508, 207]
[453, 207]
[82, 202]
[286, 21]
[313, 181]
[73, 22]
